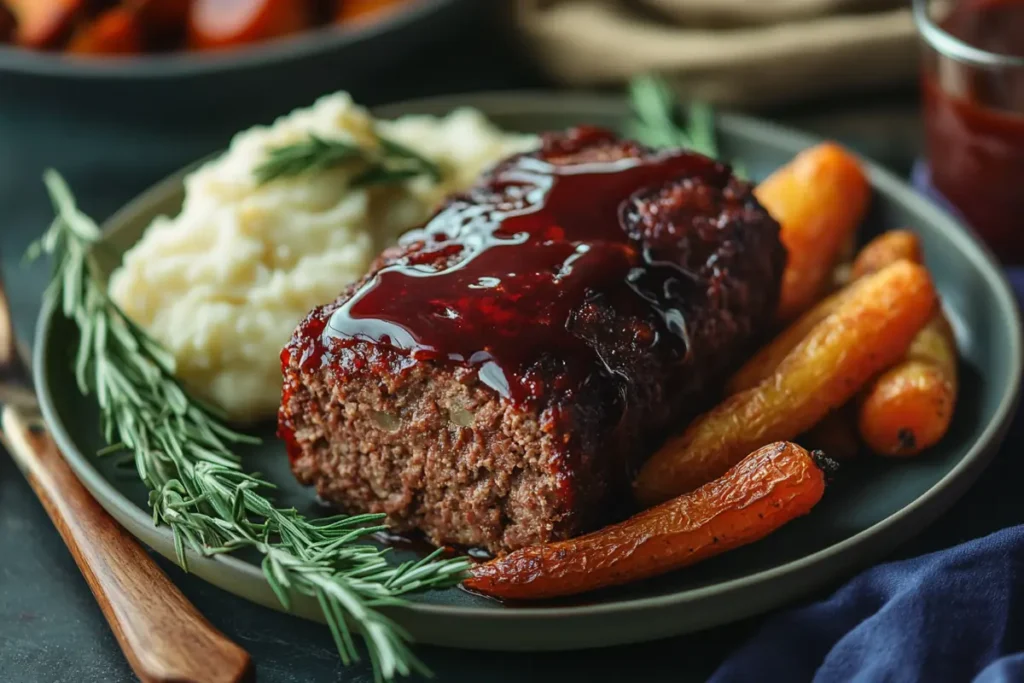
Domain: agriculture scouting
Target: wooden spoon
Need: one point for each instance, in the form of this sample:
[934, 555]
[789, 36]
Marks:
[165, 639]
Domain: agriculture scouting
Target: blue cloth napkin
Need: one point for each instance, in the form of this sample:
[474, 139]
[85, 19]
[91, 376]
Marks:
[954, 615]
[950, 616]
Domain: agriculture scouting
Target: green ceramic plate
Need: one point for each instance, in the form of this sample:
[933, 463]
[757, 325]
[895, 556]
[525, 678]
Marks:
[874, 505]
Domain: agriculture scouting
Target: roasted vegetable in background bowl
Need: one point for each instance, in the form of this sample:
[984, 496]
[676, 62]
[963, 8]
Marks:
[101, 27]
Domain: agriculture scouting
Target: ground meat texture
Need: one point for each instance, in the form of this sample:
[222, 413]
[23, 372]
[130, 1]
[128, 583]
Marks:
[515, 411]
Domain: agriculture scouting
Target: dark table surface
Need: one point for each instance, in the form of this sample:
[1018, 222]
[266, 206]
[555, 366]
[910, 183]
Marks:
[50, 627]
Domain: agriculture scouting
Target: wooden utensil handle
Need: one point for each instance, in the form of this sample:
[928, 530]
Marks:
[163, 636]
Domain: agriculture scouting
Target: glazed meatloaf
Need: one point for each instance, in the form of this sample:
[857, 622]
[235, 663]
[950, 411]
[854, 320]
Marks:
[498, 376]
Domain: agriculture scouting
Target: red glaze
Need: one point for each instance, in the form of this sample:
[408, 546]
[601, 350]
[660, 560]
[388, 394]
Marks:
[502, 270]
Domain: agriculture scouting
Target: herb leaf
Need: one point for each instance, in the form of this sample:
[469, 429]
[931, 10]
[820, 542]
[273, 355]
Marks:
[396, 152]
[660, 121]
[183, 454]
[388, 163]
[312, 154]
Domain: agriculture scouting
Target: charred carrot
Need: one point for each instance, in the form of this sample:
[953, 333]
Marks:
[215, 24]
[764, 491]
[818, 198]
[869, 331]
[884, 250]
[909, 407]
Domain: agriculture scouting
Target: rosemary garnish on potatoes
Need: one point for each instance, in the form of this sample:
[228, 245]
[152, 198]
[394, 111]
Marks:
[198, 487]
[389, 163]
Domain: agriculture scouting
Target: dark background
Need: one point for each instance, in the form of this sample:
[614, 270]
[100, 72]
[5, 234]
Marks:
[110, 145]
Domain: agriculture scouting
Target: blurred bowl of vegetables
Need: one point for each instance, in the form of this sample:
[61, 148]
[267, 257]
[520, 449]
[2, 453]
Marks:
[176, 38]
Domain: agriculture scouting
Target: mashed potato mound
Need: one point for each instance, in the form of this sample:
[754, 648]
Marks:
[223, 285]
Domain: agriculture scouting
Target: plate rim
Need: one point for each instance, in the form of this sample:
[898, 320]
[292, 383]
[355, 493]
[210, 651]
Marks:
[909, 519]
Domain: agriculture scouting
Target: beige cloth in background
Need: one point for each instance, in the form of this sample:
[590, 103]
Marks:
[738, 52]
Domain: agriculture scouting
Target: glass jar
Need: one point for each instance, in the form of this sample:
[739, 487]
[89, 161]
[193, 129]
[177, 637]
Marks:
[972, 80]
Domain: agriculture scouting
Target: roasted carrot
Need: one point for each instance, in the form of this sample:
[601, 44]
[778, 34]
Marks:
[884, 250]
[763, 363]
[887, 248]
[216, 24]
[764, 491]
[869, 331]
[352, 10]
[836, 434]
[909, 407]
[44, 23]
[818, 198]
[116, 31]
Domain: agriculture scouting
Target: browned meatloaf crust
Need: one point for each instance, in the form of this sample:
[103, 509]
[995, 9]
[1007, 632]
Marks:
[379, 427]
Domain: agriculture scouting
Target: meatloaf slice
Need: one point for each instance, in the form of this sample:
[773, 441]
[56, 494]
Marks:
[497, 377]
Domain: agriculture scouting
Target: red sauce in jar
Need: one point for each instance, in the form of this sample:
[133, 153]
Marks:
[974, 120]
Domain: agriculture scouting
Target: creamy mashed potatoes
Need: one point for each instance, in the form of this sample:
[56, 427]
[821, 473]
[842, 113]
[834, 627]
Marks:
[223, 284]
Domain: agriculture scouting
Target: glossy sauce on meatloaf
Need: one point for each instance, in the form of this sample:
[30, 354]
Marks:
[493, 281]
[596, 287]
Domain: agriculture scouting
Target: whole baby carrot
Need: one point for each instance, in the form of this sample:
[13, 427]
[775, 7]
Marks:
[818, 198]
[764, 491]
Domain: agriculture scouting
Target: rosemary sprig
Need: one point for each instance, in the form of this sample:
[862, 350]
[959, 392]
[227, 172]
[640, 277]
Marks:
[183, 453]
[309, 155]
[660, 121]
[389, 163]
